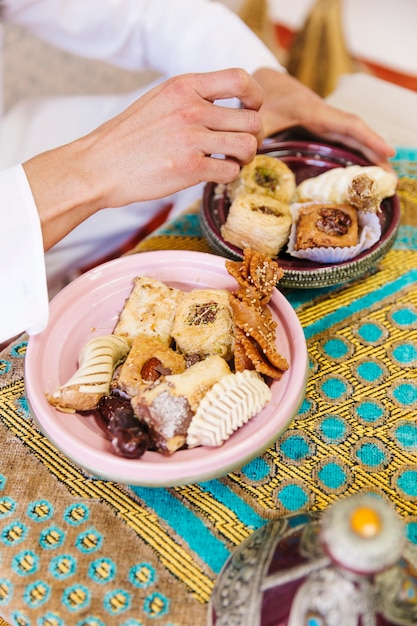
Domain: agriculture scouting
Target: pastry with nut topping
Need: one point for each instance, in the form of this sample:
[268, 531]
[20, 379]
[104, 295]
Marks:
[326, 225]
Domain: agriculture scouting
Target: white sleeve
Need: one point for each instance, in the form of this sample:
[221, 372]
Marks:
[170, 36]
[23, 285]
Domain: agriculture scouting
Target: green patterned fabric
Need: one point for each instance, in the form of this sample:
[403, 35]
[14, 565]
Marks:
[79, 550]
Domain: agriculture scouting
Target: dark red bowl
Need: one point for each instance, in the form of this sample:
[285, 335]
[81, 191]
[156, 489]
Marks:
[306, 159]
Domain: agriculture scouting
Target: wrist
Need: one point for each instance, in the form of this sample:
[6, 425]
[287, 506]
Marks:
[63, 190]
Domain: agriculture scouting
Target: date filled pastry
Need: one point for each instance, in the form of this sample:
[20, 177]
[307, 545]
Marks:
[203, 323]
[98, 359]
[326, 225]
[149, 358]
[149, 310]
[258, 222]
[264, 175]
[167, 407]
[364, 187]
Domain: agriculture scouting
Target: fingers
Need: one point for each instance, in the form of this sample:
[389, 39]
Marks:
[230, 83]
[241, 147]
[352, 131]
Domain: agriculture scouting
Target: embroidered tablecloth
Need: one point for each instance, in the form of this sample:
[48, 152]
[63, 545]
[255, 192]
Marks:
[78, 550]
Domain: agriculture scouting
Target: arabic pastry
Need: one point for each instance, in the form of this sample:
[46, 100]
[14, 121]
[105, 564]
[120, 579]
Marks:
[167, 407]
[229, 404]
[203, 323]
[149, 310]
[149, 359]
[256, 275]
[326, 225]
[255, 337]
[364, 187]
[258, 222]
[328, 233]
[98, 360]
[264, 175]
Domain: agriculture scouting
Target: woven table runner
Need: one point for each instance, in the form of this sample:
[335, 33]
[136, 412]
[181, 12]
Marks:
[79, 550]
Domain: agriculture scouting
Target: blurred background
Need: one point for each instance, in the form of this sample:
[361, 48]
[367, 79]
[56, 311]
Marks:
[317, 40]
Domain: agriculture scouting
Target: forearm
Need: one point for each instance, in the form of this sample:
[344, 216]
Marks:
[63, 188]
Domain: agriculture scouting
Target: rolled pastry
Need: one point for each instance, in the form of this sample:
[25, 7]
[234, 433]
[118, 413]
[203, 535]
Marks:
[257, 222]
[97, 362]
[203, 323]
[264, 175]
[362, 186]
[229, 404]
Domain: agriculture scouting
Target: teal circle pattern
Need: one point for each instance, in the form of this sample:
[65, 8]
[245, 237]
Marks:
[5, 366]
[332, 476]
[76, 598]
[40, 511]
[142, 575]
[333, 429]
[407, 482]
[370, 333]
[156, 605]
[336, 348]
[7, 507]
[89, 541]
[63, 566]
[369, 411]
[50, 619]
[292, 497]
[406, 436]
[52, 538]
[14, 533]
[76, 514]
[405, 393]
[404, 317]
[102, 570]
[405, 354]
[372, 454]
[6, 591]
[306, 406]
[25, 563]
[370, 371]
[117, 602]
[256, 470]
[19, 350]
[295, 447]
[411, 532]
[334, 388]
[37, 594]
[20, 619]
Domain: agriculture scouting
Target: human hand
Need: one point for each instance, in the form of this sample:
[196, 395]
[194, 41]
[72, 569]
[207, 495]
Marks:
[287, 103]
[164, 142]
[161, 144]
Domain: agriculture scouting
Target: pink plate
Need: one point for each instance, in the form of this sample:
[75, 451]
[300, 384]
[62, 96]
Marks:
[88, 307]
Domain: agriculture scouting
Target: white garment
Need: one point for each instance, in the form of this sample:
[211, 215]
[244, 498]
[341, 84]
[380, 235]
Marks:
[171, 37]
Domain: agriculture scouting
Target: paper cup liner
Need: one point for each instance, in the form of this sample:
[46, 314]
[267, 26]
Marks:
[369, 234]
